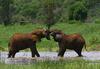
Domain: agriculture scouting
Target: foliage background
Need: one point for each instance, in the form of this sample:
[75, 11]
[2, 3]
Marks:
[48, 11]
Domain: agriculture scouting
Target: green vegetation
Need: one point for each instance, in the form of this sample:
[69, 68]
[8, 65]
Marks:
[48, 11]
[73, 64]
[70, 16]
[91, 33]
[78, 11]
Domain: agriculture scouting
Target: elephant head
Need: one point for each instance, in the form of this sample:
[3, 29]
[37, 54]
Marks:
[57, 35]
[41, 33]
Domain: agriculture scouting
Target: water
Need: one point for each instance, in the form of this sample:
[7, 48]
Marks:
[25, 57]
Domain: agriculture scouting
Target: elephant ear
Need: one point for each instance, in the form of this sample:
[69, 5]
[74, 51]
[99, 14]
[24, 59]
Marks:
[37, 33]
[58, 37]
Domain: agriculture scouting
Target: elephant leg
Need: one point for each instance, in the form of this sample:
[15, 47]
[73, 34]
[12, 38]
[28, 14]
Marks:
[32, 51]
[13, 55]
[36, 52]
[78, 51]
[61, 52]
[10, 54]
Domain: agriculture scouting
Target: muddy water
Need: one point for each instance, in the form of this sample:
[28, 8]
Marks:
[25, 57]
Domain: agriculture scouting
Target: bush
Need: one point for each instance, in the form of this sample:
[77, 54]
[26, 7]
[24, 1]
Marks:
[77, 11]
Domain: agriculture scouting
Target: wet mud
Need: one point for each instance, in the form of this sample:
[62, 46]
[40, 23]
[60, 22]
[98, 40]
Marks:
[25, 57]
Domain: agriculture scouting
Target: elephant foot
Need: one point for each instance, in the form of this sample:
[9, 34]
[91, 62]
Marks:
[80, 56]
[33, 58]
[8, 57]
[37, 55]
[60, 55]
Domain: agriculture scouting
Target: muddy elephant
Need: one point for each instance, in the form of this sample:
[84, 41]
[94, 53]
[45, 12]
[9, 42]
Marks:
[72, 41]
[21, 41]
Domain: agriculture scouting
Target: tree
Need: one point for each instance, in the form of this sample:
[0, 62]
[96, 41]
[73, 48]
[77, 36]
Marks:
[91, 3]
[78, 11]
[5, 11]
[48, 9]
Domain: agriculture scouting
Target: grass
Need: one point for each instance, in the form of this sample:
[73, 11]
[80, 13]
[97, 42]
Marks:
[73, 64]
[91, 33]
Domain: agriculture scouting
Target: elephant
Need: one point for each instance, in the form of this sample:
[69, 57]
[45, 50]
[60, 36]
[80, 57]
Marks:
[68, 41]
[21, 41]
